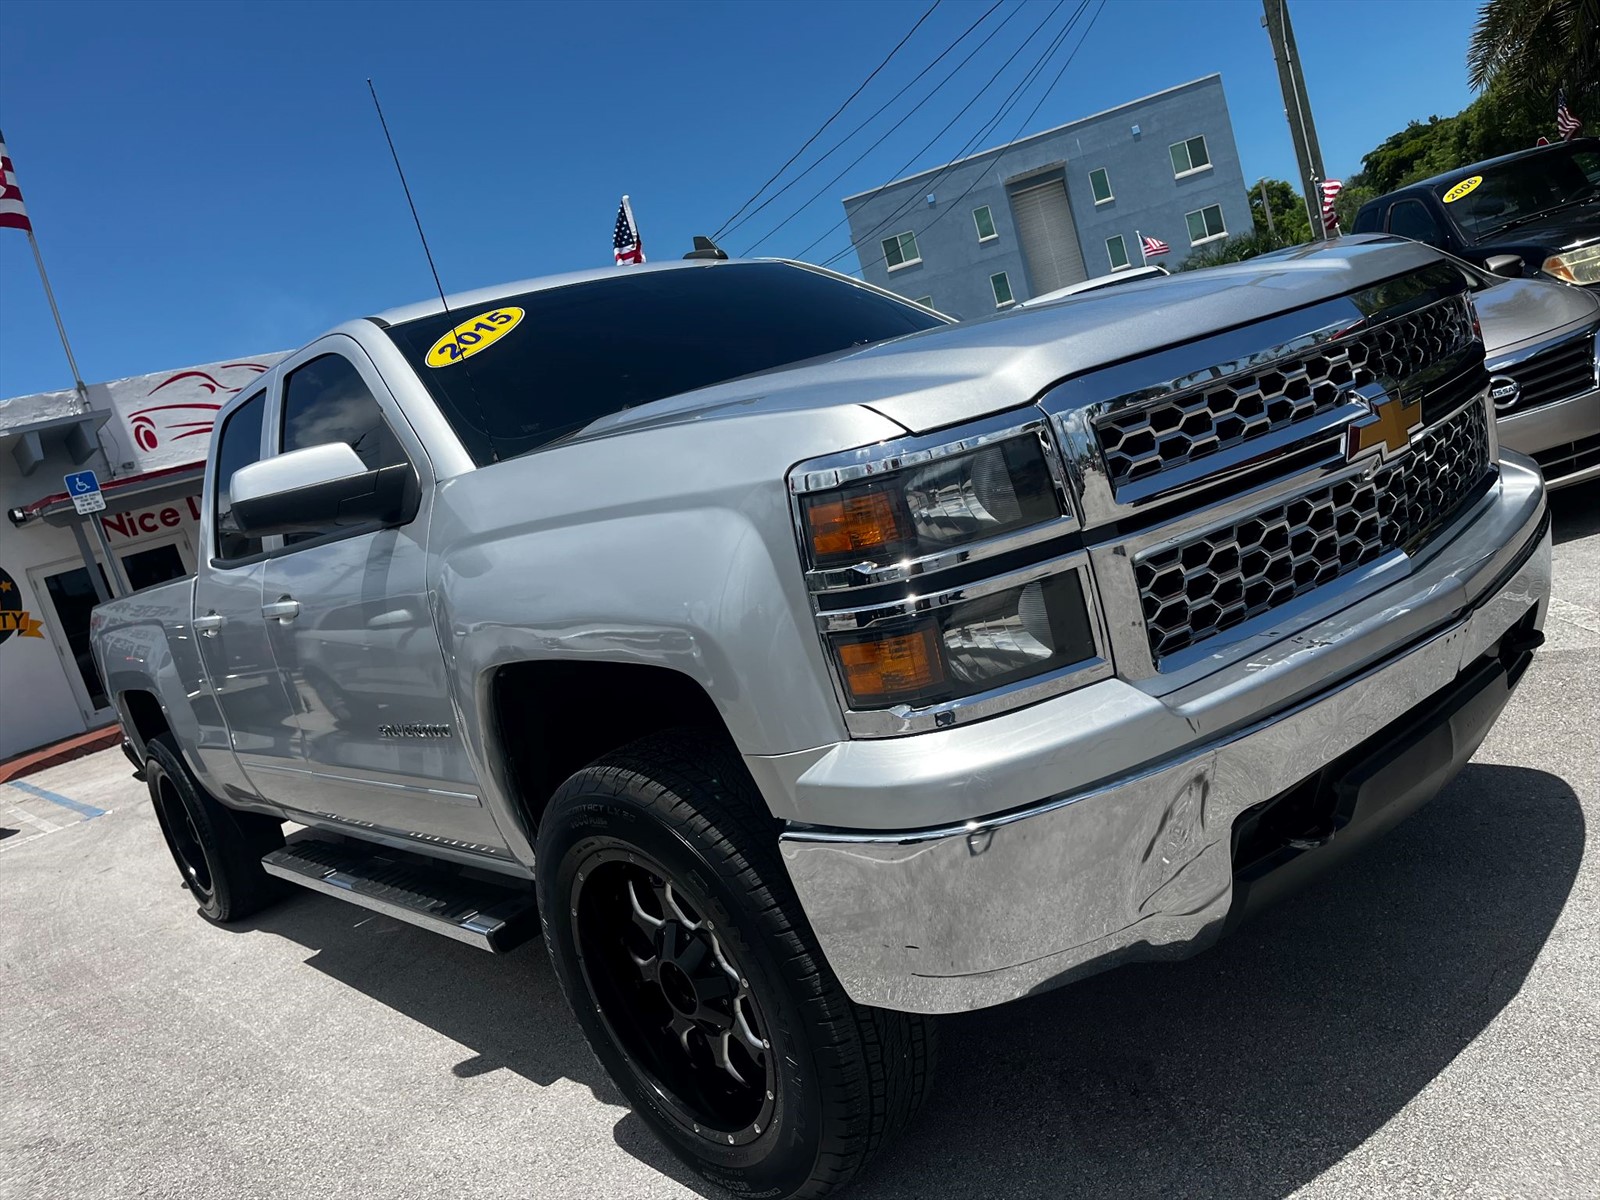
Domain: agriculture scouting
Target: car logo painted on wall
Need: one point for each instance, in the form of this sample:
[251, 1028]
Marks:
[1505, 392]
[1388, 428]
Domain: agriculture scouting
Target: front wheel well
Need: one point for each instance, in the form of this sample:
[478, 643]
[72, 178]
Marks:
[553, 718]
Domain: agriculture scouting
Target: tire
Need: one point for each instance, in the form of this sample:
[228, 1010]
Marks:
[682, 948]
[217, 850]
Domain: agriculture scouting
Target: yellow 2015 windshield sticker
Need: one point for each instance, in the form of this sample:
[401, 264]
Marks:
[472, 337]
[1464, 188]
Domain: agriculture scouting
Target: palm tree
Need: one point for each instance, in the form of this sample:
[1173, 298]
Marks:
[1540, 47]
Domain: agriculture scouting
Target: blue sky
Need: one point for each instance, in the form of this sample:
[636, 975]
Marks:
[209, 180]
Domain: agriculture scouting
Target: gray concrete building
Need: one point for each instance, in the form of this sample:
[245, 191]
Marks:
[1058, 207]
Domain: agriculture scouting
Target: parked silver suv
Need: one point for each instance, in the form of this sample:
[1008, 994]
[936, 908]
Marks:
[804, 665]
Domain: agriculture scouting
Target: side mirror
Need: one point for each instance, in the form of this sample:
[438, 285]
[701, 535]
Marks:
[317, 489]
[1509, 265]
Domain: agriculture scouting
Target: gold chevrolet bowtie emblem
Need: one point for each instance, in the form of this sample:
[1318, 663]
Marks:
[1386, 431]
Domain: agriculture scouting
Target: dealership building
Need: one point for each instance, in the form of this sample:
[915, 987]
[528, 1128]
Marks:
[1058, 207]
[145, 439]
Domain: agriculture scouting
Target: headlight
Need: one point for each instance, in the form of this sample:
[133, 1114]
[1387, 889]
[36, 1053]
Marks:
[963, 648]
[947, 575]
[1581, 267]
[923, 509]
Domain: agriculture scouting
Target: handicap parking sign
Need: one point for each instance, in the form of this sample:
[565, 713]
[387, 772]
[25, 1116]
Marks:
[84, 488]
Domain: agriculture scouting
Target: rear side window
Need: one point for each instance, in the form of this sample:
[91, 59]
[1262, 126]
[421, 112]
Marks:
[527, 370]
[1369, 219]
[1410, 219]
[238, 445]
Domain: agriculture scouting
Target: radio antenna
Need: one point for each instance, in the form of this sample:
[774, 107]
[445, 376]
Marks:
[402, 173]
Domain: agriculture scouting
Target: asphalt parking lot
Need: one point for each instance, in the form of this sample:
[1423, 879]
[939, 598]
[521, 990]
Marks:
[1424, 1022]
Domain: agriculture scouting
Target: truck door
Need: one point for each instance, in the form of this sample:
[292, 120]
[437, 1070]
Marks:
[352, 632]
[246, 720]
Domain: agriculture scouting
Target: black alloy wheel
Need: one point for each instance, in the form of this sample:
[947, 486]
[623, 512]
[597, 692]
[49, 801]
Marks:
[217, 849]
[183, 838]
[678, 940]
[672, 997]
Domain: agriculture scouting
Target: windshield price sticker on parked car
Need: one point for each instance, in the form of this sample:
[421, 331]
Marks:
[1464, 188]
[471, 337]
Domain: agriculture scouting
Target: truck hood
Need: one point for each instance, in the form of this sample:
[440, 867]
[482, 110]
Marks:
[1524, 311]
[961, 372]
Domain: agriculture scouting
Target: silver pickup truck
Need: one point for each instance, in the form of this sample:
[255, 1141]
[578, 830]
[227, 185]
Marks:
[804, 665]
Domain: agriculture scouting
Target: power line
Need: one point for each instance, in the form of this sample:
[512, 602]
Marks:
[951, 74]
[943, 54]
[830, 120]
[1020, 127]
[1012, 98]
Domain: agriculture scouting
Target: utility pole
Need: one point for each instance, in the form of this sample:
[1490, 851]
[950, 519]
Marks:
[1297, 108]
[1266, 207]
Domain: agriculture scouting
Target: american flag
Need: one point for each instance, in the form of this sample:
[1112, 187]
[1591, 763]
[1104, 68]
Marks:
[1567, 125]
[625, 241]
[1330, 192]
[13, 214]
[1153, 247]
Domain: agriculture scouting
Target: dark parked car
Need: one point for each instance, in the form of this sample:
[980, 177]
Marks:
[1535, 212]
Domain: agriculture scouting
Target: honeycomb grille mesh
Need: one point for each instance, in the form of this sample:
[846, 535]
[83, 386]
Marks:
[1140, 442]
[1224, 577]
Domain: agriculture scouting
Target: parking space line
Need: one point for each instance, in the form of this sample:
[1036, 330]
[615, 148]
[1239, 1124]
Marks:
[87, 811]
[27, 818]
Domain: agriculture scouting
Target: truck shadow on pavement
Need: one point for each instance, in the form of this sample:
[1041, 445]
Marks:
[1245, 1072]
[1575, 512]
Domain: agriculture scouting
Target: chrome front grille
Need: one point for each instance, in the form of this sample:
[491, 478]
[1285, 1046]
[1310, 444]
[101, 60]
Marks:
[1141, 441]
[1565, 369]
[1227, 574]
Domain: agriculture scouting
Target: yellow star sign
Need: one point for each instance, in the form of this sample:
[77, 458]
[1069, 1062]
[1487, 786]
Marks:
[1387, 431]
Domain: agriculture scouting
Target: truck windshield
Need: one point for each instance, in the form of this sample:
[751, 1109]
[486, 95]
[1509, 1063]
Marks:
[1520, 191]
[527, 370]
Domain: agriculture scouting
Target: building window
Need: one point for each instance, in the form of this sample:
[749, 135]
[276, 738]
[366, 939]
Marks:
[984, 220]
[1190, 156]
[1117, 252]
[1205, 224]
[1100, 185]
[901, 250]
[1002, 290]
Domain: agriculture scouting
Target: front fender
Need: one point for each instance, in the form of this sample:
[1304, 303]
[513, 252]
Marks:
[672, 547]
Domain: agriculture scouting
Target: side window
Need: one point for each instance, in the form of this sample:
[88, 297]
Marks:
[238, 445]
[1117, 252]
[326, 400]
[1369, 219]
[1410, 219]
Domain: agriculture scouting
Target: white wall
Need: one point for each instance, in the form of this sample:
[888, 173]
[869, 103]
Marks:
[157, 421]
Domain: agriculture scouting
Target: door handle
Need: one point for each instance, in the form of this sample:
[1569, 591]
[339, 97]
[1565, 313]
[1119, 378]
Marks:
[208, 625]
[283, 611]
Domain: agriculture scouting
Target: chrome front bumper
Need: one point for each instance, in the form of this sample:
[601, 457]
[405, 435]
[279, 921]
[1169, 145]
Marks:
[1140, 865]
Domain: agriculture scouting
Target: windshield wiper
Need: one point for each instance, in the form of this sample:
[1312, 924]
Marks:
[1542, 213]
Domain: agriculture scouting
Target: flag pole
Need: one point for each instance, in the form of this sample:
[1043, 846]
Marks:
[77, 378]
[1144, 259]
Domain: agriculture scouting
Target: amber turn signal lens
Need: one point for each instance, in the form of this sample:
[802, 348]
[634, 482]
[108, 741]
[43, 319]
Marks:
[883, 670]
[856, 523]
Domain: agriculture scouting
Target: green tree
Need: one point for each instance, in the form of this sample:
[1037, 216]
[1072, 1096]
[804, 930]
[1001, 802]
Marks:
[1503, 119]
[1289, 222]
[1349, 202]
[1537, 48]
[1234, 249]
